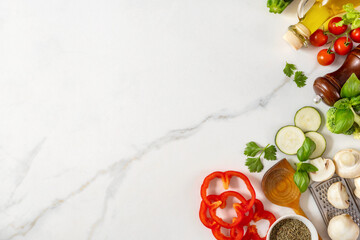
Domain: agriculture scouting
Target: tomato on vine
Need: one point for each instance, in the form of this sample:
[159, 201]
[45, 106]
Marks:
[355, 35]
[337, 30]
[343, 45]
[326, 57]
[318, 38]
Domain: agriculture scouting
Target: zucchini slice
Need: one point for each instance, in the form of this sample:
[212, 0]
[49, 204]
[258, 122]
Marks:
[320, 142]
[307, 119]
[289, 139]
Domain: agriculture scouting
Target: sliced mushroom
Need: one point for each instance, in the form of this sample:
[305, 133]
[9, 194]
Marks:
[348, 163]
[338, 196]
[357, 185]
[342, 227]
[326, 169]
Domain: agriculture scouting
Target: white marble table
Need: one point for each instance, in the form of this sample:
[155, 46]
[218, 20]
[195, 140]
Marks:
[112, 112]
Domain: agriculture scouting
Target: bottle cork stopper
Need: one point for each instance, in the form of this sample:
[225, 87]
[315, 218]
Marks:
[295, 41]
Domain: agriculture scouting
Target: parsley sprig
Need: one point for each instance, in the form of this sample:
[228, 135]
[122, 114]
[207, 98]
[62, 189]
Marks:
[254, 163]
[299, 77]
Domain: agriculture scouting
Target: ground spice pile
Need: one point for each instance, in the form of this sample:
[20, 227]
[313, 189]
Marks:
[290, 229]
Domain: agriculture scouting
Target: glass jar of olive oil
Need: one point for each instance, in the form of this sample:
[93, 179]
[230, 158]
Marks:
[319, 13]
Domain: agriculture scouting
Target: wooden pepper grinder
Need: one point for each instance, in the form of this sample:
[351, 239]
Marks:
[329, 86]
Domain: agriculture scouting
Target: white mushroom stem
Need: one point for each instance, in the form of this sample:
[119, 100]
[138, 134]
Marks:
[357, 185]
[338, 196]
[326, 169]
[348, 163]
[342, 227]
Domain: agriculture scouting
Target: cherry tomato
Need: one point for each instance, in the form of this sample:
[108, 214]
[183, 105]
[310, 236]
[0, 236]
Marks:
[334, 29]
[343, 45]
[355, 35]
[326, 57]
[318, 38]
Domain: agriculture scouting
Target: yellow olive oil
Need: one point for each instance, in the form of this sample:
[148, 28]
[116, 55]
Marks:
[318, 14]
[322, 10]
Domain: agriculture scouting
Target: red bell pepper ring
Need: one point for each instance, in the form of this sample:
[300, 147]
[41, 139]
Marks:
[226, 177]
[207, 221]
[240, 214]
[214, 219]
[238, 235]
[260, 213]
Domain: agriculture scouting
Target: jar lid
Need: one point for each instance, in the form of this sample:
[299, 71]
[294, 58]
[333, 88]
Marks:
[294, 40]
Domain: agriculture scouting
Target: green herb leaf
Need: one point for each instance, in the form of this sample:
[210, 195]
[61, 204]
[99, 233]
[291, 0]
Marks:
[306, 149]
[307, 167]
[344, 119]
[355, 101]
[343, 103]
[300, 79]
[351, 87]
[350, 17]
[302, 180]
[289, 69]
[252, 149]
[254, 164]
[270, 152]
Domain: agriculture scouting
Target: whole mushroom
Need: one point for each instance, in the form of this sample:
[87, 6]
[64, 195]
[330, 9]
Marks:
[338, 196]
[326, 169]
[347, 163]
[342, 227]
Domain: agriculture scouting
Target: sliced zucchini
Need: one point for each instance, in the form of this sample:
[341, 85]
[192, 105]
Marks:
[289, 139]
[307, 119]
[320, 142]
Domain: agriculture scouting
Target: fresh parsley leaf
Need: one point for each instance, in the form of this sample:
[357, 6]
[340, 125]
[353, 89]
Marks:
[252, 149]
[302, 180]
[270, 152]
[306, 149]
[289, 69]
[254, 164]
[300, 79]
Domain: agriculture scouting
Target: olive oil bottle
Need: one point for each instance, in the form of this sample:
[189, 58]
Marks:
[319, 13]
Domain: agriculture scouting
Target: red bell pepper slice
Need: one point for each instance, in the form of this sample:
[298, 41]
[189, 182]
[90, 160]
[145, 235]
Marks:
[214, 219]
[240, 214]
[226, 177]
[260, 213]
[207, 221]
[234, 235]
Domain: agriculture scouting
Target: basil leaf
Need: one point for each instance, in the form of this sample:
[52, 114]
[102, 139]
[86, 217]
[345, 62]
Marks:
[344, 119]
[351, 87]
[302, 180]
[306, 149]
[343, 103]
[307, 167]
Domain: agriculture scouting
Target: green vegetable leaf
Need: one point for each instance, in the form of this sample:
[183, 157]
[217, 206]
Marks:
[270, 152]
[343, 103]
[300, 79]
[350, 17]
[254, 164]
[306, 149]
[351, 87]
[289, 69]
[344, 119]
[277, 6]
[355, 101]
[252, 149]
[307, 167]
[302, 180]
